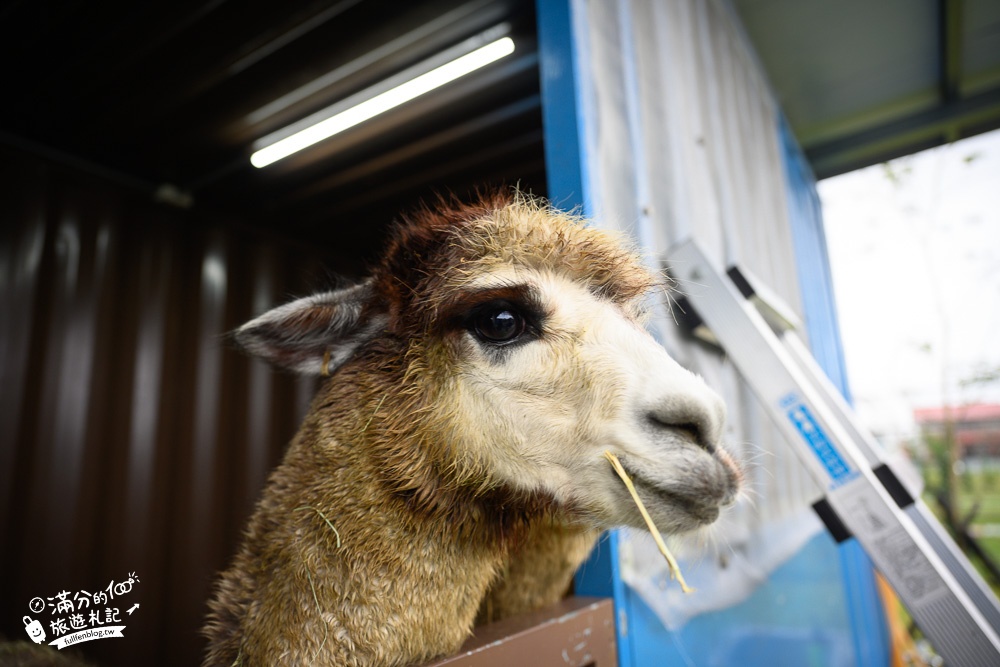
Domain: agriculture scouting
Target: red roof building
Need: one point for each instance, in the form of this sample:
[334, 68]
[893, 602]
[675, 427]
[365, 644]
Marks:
[977, 427]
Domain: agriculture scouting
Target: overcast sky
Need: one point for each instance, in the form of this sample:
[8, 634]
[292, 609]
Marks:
[915, 249]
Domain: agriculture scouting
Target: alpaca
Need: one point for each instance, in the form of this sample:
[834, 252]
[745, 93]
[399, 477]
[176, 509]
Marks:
[452, 465]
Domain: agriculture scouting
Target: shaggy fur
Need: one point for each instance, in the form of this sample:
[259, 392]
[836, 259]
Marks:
[437, 478]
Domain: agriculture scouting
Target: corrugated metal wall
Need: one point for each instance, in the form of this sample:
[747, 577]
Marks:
[132, 439]
[683, 143]
[679, 139]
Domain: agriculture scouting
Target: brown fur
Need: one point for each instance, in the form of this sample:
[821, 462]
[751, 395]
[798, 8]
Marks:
[540, 571]
[421, 523]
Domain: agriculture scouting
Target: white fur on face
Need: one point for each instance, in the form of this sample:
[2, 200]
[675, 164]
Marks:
[542, 414]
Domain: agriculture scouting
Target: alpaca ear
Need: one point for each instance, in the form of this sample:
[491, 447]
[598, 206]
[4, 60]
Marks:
[316, 334]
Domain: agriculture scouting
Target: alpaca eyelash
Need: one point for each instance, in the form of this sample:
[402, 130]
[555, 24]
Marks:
[499, 350]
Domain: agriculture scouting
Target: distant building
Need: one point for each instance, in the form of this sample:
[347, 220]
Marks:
[977, 427]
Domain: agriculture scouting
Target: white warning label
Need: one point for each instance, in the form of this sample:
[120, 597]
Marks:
[894, 551]
[909, 567]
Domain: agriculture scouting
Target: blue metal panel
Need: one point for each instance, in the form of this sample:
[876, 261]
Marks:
[812, 260]
[872, 643]
[565, 152]
[565, 168]
[797, 618]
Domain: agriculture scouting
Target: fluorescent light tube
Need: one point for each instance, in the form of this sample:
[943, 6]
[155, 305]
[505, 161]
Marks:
[276, 146]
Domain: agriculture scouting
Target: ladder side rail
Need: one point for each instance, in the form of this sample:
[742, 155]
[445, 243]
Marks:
[908, 562]
[940, 540]
[785, 324]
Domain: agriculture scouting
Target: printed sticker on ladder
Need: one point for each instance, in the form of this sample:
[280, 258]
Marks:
[805, 423]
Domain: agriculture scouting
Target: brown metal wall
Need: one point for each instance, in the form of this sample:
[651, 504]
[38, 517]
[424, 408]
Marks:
[132, 439]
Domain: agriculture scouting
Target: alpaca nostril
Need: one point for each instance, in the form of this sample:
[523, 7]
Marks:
[693, 430]
[686, 408]
[696, 434]
[692, 418]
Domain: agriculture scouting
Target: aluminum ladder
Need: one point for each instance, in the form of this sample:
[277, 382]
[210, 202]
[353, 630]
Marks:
[864, 498]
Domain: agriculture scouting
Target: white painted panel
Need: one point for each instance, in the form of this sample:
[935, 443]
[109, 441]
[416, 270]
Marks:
[682, 131]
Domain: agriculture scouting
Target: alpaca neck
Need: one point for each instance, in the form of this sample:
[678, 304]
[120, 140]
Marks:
[397, 585]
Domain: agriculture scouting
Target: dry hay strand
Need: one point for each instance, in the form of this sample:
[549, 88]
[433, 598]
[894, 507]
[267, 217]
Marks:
[675, 570]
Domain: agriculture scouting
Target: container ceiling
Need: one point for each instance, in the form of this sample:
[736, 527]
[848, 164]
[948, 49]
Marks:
[173, 92]
[863, 81]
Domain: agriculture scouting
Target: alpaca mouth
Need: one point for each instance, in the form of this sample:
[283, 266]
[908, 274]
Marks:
[699, 497]
[697, 507]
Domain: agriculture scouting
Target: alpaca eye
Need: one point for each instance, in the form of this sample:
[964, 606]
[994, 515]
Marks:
[498, 324]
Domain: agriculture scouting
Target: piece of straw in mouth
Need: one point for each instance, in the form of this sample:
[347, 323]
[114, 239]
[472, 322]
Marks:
[675, 570]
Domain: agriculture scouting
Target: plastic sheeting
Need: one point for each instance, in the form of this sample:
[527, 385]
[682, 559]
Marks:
[682, 139]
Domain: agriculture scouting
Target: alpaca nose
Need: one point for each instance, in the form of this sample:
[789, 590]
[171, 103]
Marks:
[699, 417]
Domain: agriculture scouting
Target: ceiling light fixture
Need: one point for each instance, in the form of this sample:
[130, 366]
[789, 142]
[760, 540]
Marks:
[422, 78]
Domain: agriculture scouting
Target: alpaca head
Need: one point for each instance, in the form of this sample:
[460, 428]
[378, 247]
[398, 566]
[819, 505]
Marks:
[500, 347]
